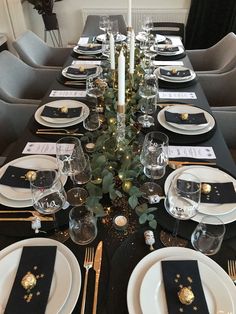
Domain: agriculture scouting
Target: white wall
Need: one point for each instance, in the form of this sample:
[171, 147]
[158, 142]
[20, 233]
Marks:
[69, 14]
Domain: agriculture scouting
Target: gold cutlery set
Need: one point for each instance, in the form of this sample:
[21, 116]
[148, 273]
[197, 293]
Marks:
[58, 132]
[92, 261]
[27, 215]
[174, 164]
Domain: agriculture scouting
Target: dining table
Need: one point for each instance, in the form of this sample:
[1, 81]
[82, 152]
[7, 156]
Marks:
[122, 250]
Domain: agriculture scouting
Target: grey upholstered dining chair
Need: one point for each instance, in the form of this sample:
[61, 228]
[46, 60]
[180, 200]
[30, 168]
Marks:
[13, 120]
[219, 88]
[217, 59]
[36, 53]
[226, 119]
[20, 83]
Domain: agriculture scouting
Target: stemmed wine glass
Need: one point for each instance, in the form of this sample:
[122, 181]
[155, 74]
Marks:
[104, 21]
[71, 162]
[181, 202]
[48, 193]
[148, 92]
[147, 24]
[154, 158]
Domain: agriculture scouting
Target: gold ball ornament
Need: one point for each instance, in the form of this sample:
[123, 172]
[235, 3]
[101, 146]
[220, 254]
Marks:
[174, 71]
[31, 175]
[126, 186]
[112, 121]
[184, 116]
[186, 296]
[64, 109]
[29, 281]
[206, 188]
[82, 68]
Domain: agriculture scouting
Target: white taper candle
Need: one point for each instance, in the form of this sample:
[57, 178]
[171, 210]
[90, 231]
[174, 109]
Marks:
[132, 50]
[121, 79]
[112, 52]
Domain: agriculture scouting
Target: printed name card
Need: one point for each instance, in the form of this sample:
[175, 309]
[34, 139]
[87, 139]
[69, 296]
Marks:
[198, 152]
[177, 95]
[67, 93]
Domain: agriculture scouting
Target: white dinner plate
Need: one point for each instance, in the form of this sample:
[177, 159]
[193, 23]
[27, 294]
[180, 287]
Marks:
[158, 38]
[63, 103]
[82, 117]
[152, 290]
[175, 79]
[35, 162]
[119, 38]
[226, 212]
[74, 291]
[82, 52]
[60, 286]
[148, 261]
[189, 109]
[169, 53]
[76, 77]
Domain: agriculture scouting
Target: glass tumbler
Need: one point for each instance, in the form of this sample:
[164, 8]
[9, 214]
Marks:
[208, 235]
[82, 225]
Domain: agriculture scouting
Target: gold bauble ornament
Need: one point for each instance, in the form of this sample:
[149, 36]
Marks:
[186, 296]
[184, 116]
[29, 281]
[31, 175]
[126, 186]
[206, 188]
[64, 109]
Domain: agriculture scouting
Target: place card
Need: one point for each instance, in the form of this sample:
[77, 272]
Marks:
[92, 62]
[40, 148]
[197, 152]
[177, 95]
[83, 40]
[158, 63]
[67, 93]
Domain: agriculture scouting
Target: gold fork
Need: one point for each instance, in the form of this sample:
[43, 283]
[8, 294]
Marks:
[88, 263]
[58, 131]
[174, 164]
[232, 269]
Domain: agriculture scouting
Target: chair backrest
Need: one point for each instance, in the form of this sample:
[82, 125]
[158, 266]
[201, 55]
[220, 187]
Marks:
[169, 29]
[32, 49]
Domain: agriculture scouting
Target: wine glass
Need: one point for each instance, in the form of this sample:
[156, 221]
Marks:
[77, 196]
[72, 161]
[104, 21]
[154, 158]
[95, 89]
[113, 28]
[182, 202]
[147, 24]
[48, 193]
[148, 92]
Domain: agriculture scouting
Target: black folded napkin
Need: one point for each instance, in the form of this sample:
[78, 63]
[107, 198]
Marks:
[220, 193]
[178, 73]
[193, 118]
[39, 261]
[177, 274]
[89, 47]
[53, 112]
[15, 177]
[79, 71]
[168, 49]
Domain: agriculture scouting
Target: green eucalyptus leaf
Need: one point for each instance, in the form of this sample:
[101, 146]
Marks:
[94, 190]
[153, 223]
[133, 201]
[142, 219]
[140, 209]
[150, 217]
[107, 182]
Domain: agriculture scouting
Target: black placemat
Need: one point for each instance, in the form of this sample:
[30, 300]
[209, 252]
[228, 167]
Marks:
[184, 273]
[38, 260]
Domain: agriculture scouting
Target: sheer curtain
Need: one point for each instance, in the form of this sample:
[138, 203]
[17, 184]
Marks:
[209, 21]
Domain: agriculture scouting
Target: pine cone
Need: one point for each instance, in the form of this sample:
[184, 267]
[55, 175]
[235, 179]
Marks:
[120, 203]
[118, 182]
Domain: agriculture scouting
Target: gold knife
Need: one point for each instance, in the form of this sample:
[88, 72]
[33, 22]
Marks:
[57, 133]
[97, 267]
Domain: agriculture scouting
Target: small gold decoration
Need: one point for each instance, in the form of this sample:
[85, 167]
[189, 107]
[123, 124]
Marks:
[82, 68]
[91, 45]
[35, 267]
[178, 275]
[30, 175]
[206, 188]
[174, 71]
[186, 296]
[184, 116]
[64, 109]
[195, 308]
[112, 121]
[181, 310]
[29, 281]
[38, 293]
[126, 186]
[190, 279]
